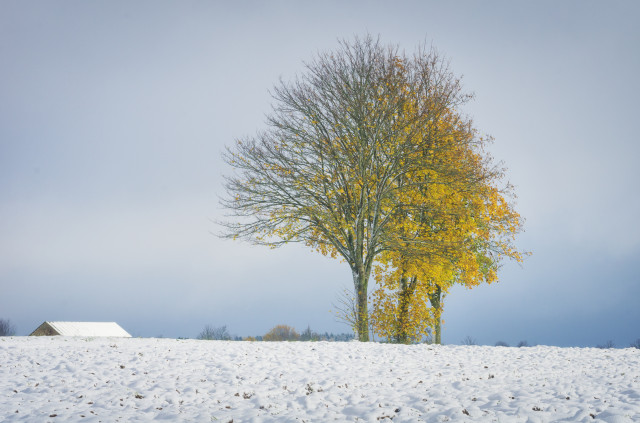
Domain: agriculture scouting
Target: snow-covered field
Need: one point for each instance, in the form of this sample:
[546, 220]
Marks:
[62, 379]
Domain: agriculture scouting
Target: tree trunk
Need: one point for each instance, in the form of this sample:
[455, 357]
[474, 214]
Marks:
[407, 287]
[362, 313]
[361, 273]
[435, 299]
[361, 270]
[403, 312]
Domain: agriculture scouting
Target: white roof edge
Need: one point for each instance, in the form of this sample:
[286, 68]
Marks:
[89, 329]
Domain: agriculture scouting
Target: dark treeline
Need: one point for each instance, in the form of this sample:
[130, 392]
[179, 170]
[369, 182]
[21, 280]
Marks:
[277, 333]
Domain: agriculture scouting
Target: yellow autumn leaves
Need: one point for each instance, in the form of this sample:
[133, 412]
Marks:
[463, 231]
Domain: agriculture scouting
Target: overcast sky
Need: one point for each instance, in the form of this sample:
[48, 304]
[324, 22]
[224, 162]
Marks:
[113, 116]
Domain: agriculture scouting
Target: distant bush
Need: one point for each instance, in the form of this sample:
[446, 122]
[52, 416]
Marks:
[635, 344]
[309, 335]
[281, 333]
[469, 341]
[607, 345]
[523, 344]
[215, 333]
[341, 337]
[7, 328]
[501, 344]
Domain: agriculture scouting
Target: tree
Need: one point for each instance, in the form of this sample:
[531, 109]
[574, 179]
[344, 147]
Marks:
[607, 345]
[7, 328]
[215, 333]
[346, 311]
[281, 333]
[469, 341]
[345, 141]
[309, 335]
[464, 230]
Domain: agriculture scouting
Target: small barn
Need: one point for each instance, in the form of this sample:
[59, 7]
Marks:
[80, 329]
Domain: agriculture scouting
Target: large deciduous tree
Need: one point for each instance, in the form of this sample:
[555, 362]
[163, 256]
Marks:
[351, 149]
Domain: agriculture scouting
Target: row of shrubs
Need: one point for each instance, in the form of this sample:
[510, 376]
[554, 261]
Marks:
[288, 333]
[471, 341]
[277, 333]
[607, 345]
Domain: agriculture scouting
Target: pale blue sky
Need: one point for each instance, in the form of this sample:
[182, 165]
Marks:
[113, 116]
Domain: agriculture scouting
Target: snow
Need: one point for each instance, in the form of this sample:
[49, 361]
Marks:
[132, 379]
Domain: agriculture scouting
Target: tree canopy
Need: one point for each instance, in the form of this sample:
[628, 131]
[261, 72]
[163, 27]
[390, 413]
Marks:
[366, 157]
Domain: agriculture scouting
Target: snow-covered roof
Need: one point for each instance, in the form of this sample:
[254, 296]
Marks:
[81, 329]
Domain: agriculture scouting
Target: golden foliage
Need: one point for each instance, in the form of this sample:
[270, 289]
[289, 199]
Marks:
[461, 234]
[281, 333]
